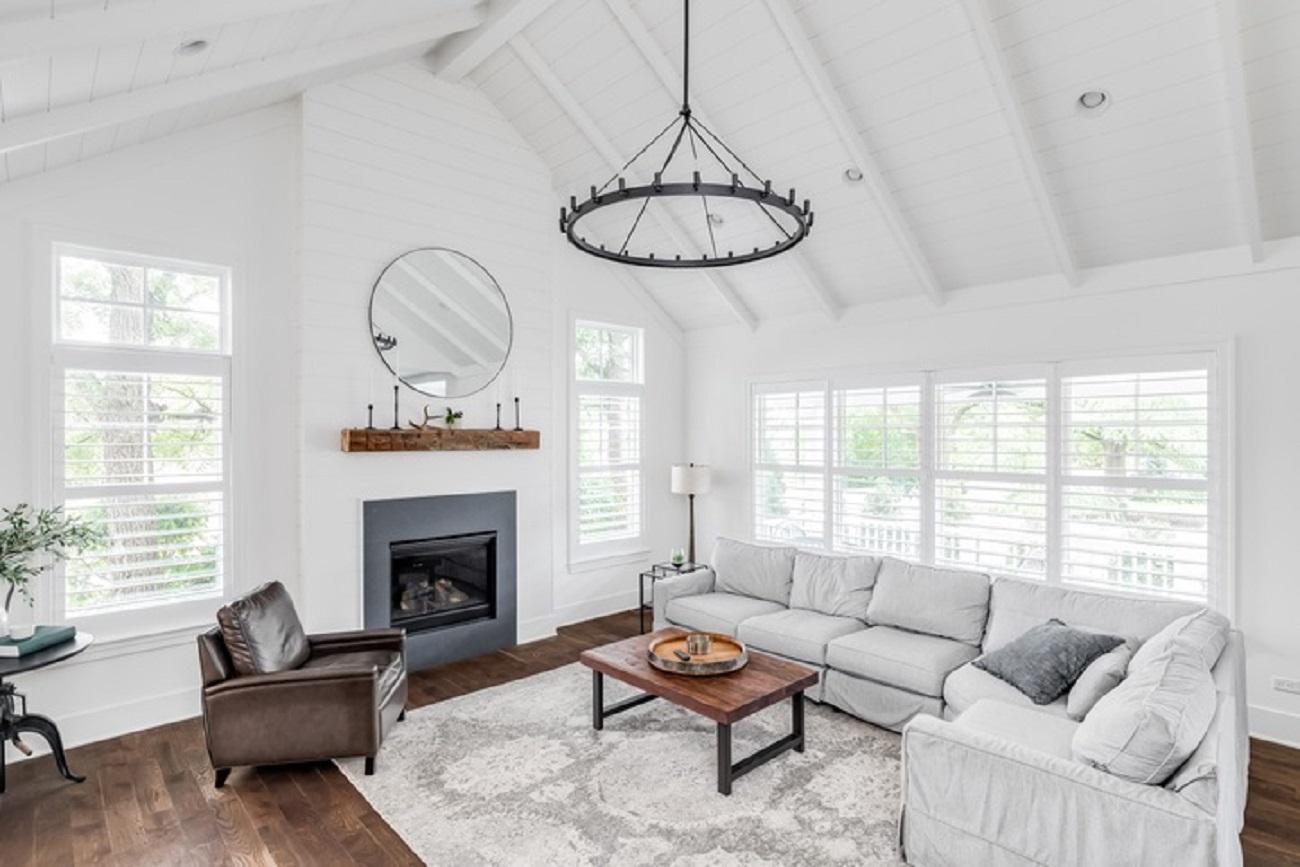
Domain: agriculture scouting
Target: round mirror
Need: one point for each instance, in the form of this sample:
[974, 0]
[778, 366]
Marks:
[440, 322]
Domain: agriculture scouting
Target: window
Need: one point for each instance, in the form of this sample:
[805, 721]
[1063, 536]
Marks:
[790, 464]
[1135, 507]
[608, 395]
[876, 497]
[990, 492]
[140, 426]
[1099, 474]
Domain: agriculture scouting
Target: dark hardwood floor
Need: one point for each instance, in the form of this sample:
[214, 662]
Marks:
[149, 799]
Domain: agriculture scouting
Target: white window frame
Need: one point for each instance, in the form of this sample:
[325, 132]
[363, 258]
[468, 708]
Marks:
[1217, 360]
[596, 554]
[62, 355]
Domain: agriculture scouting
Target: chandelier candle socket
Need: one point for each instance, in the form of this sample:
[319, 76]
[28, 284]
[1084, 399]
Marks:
[790, 219]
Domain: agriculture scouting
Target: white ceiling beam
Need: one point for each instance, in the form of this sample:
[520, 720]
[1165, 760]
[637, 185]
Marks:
[137, 22]
[638, 290]
[872, 175]
[603, 146]
[505, 18]
[672, 82]
[308, 67]
[1243, 144]
[995, 61]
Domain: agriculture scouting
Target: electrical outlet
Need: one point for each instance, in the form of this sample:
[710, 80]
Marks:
[1286, 684]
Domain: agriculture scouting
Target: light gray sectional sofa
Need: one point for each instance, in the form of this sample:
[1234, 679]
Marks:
[990, 777]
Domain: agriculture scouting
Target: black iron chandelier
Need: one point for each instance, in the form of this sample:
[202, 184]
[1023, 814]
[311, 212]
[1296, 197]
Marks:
[783, 222]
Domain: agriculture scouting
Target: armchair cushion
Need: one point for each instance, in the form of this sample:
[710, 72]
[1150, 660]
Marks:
[262, 632]
[386, 662]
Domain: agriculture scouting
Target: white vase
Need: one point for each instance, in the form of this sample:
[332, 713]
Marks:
[4, 622]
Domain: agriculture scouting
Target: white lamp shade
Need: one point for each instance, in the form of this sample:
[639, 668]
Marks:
[692, 478]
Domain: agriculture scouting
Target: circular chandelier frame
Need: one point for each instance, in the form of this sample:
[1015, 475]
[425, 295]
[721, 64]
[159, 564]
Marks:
[701, 141]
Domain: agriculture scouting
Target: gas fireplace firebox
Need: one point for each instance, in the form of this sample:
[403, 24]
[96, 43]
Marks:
[443, 568]
[441, 581]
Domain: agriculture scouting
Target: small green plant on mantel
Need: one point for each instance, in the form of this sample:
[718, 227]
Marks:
[33, 540]
[453, 416]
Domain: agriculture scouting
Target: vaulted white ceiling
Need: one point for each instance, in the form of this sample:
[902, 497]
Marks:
[979, 165]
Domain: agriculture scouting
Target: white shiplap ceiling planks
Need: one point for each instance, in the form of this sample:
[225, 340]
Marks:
[980, 165]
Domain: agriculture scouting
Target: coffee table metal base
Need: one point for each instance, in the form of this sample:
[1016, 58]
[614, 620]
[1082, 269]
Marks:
[728, 771]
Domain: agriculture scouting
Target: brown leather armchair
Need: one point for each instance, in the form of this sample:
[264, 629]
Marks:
[274, 695]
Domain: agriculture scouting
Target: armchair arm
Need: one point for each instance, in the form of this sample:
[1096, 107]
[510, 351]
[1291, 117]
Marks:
[686, 584]
[357, 640]
[969, 797]
[293, 716]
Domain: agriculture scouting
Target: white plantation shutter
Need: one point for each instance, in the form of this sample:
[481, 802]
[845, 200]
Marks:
[990, 495]
[1099, 474]
[1136, 483]
[609, 468]
[789, 476]
[606, 501]
[140, 429]
[876, 496]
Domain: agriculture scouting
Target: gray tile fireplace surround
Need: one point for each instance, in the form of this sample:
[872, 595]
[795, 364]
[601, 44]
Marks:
[416, 518]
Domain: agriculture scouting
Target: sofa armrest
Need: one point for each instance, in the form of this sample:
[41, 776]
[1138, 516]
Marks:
[293, 716]
[970, 797]
[686, 584]
[357, 640]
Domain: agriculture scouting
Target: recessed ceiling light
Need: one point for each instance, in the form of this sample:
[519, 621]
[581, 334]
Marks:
[1094, 100]
[192, 47]
[716, 219]
[853, 174]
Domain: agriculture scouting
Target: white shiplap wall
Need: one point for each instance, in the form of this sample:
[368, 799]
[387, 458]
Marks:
[394, 160]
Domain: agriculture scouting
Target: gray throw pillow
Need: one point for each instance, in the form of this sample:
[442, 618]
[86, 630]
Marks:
[1043, 662]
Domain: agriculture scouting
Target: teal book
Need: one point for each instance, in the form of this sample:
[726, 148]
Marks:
[45, 636]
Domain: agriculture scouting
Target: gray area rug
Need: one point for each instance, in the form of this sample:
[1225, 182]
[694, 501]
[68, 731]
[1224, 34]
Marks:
[515, 775]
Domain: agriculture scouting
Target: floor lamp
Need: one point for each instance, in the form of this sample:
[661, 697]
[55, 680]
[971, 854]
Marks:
[691, 479]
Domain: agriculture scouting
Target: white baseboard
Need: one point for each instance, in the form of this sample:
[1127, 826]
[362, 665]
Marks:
[101, 723]
[1275, 725]
[545, 627]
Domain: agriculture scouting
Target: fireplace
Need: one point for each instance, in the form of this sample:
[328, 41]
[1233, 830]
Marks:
[442, 568]
[437, 582]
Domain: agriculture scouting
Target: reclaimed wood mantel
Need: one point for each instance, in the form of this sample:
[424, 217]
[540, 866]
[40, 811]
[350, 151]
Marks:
[438, 439]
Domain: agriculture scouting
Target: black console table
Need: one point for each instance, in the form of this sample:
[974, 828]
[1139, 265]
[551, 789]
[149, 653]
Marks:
[13, 723]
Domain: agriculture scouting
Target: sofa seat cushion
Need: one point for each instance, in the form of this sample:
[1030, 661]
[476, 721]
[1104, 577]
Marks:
[969, 684]
[1027, 726]
[717, 612]
[910, 660]
[796, 633]
[388, 663]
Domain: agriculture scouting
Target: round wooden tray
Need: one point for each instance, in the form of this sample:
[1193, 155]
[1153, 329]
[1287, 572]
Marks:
[727, 655]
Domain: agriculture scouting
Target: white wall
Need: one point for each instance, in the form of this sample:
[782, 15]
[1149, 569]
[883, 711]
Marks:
[1037, 321]
[394, 160]
[225, 194]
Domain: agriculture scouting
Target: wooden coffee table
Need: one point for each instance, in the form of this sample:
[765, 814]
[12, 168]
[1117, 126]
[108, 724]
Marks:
[723, 698]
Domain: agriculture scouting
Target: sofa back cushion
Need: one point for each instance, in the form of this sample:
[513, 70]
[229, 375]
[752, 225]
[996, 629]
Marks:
[262, 632]
[758, 571]
[839, 586]
[1203, 632]
[1017, 606]
[951, 603]
[1149, 725]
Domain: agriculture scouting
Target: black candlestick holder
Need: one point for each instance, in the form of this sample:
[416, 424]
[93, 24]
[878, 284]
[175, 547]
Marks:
[517, 425]
[397, 417]
[370, 416]
[498, 427]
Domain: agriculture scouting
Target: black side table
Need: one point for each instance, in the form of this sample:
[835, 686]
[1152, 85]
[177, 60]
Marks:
[653, 574]
[13, 723]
